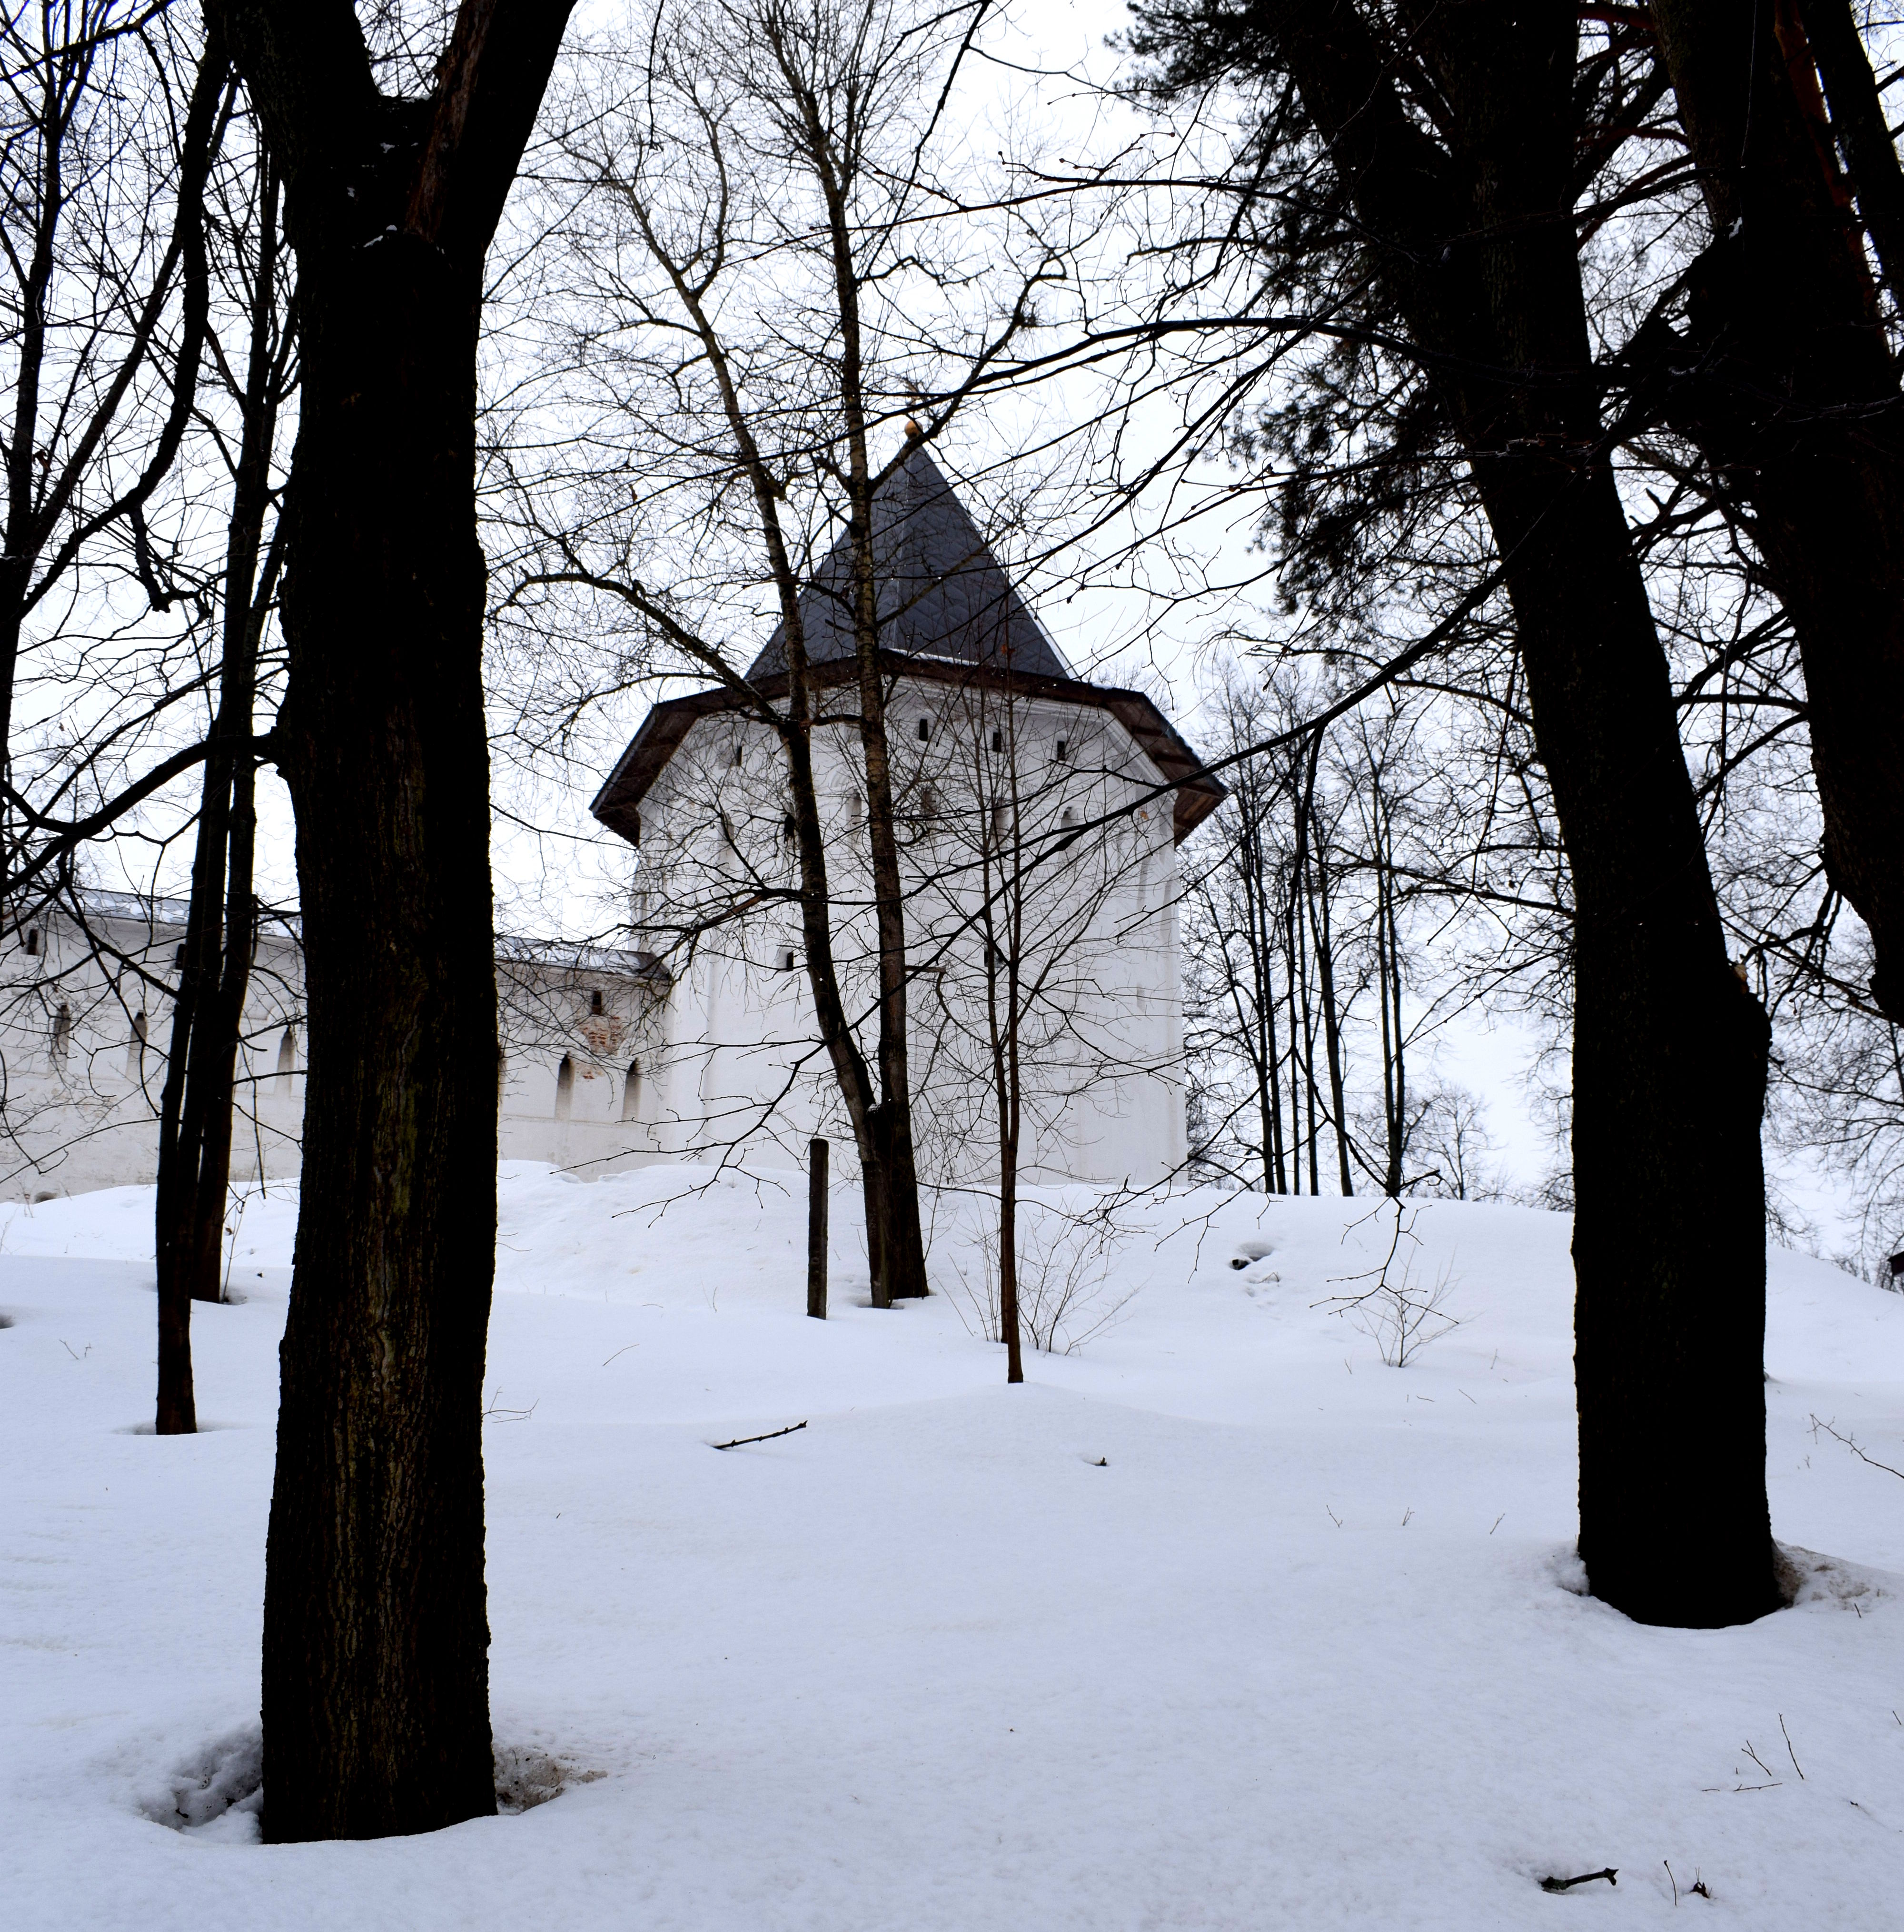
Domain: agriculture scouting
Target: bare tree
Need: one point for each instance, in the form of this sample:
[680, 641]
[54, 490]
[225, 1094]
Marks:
[376, 1652]
[1419, 191]
[773, 272]
[196, 1106]
[1047, 928]
[103, 302]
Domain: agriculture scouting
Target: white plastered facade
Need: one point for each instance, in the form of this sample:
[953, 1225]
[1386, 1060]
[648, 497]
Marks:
[85, 1015]
[1045, 809]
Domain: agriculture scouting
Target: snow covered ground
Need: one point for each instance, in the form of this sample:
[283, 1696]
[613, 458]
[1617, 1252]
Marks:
[1218, 1622]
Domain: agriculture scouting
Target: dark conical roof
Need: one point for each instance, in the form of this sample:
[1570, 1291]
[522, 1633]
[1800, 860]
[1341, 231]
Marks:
[941, 593]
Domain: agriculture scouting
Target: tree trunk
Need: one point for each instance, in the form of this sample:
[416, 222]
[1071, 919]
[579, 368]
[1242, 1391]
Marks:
[1794, 397]
[375, 1685]
[1299, 959]
[1332, 1032]
[1669, 1056]
[1008, 1322]
[195, 1123]
[376, 1681]
[1858, 122]
[1262, 953]
[1008, 1074]
[817, 1201]
[1388, 992]
[902, 1243]
[1291, 973]
[177, 1410]
[1392, 1164]
[1670, 1049]
[875, 1187]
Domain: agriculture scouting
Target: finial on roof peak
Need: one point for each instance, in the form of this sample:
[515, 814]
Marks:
[913, 428]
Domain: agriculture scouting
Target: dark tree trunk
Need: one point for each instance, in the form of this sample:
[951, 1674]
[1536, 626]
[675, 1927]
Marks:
[1291, 972]
[1323, 936]
[901, 1248]
[37, 499]
[1859, 123]
[1005, 997]
[1669, 1056]
[375, 1684]
[1264, 1054]
[870, 1137]
[177, 1410]
[376, 1656]
[875, 1188]
[1388, 995]
[195, 1114]
[905, 1233]
[894, 1238]
[1010, 1323]
[1791, 390]
[1670, 1049]
[1262, 955]
[1298, 966]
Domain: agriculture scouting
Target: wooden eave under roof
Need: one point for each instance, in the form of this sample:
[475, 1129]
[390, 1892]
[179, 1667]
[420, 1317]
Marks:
[618, 804]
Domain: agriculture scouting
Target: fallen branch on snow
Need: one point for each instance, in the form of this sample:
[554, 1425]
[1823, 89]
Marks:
[1610, 1874]
[741, 1441]
[1851, 1444]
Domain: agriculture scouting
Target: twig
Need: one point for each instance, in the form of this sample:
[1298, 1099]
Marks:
[1756, 1759]
[741, 1441]
[1851, 1444]
[1668, 1864]
[622, 1351]
[1789, 1751]
[1610, 1874]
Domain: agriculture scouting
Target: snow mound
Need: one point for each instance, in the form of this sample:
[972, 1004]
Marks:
[1812, 1581]
[526, 1777]
[218, 1792]
[1218, 1622]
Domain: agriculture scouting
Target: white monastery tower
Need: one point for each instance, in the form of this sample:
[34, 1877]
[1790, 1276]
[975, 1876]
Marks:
[1038, 820]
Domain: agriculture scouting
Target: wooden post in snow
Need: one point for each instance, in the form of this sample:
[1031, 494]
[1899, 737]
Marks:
[816, 1229]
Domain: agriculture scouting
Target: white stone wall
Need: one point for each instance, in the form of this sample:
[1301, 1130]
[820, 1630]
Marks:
[81, 1087]
[738, 1060]
[81, 1092]
[727, 1058]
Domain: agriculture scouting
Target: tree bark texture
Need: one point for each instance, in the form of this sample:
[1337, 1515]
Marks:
[376, 1654]
[195, 1112]
[1786, 381]
[1670, 1049]
[901, 1249]
[1859, 124]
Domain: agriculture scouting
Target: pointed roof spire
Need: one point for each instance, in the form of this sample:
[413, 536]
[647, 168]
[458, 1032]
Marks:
[940, 592]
